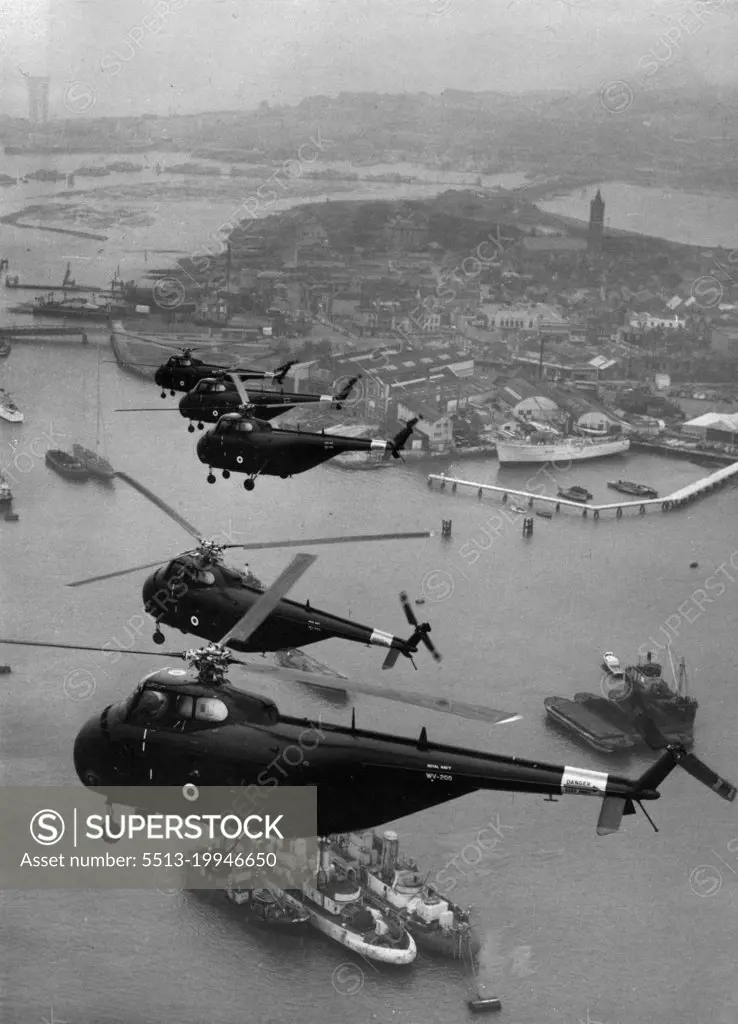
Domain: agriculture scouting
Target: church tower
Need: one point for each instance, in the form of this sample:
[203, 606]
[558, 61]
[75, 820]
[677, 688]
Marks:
[596, 223]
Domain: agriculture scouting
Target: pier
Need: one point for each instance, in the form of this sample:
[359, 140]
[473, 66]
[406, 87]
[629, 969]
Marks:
[678, 499]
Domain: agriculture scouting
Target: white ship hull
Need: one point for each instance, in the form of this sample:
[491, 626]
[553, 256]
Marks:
[11, 415]
[384, 954]
[570, 449]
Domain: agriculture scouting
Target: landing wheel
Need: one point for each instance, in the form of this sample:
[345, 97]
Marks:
[158, 636]
[226, 474]
[172, 393]
[211, 478]
[249, 485]
[199, 426]
[163, 394]
[191, 428]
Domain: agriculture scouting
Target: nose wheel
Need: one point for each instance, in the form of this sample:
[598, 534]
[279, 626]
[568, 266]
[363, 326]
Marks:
[226, 474]
[163, 394]
[158, 636]
[200, 426]
[249, 485]
[211, 477]
[191, 428]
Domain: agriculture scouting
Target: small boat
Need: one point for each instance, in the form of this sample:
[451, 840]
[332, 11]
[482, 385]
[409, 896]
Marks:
[66, 465]
[4, 348]
[544, 514]
[5, 669]
[518, 508]
[95, 464]
[637, 490]
[8, 409]
[602, 724]
[612, 664]
[575, 493]
[6, 495]
[271, 907]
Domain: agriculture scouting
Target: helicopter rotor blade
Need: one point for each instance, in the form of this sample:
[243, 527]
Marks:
[117, 572]
[156, 408]
[242, 392]
[85, 647]
[460, 709]
[162, 505]
[250, 622]
[314, 541]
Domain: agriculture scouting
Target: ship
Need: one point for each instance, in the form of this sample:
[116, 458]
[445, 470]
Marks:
[539, 448]
[608, 723]
[396, 885]
[272, 907]
[637, 490]
[65, 464]
[77, 309]
[6, 495]
[337, 908]
[604, 728]
[575, 493]
[8, 409]
[95, 464]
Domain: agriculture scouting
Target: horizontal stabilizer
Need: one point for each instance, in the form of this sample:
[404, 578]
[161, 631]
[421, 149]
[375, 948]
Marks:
[611, 814]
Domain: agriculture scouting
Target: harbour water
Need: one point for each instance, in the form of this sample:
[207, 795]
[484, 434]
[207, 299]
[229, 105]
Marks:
[707, 218]
[620, 929]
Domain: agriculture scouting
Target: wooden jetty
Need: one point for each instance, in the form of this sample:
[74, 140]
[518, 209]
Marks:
[678, 499]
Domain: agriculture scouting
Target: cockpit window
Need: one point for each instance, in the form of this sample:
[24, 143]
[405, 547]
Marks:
[245, 427]
[185, 706]
[151, 707]
[219, 387]
[210, 709]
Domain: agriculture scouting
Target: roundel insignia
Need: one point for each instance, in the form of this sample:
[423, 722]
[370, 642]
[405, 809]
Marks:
[215, 414]
[239, 459]
[194, 621]
[177, 672]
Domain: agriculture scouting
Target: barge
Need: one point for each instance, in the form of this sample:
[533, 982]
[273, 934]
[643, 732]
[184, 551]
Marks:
[594, 725]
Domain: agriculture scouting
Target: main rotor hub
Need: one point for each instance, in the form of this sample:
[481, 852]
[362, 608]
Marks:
[210, 552]
[211, 663]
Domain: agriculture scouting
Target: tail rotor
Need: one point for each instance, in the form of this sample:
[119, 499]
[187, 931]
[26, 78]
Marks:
[418, 636]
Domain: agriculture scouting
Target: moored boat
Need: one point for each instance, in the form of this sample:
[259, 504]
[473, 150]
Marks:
[608, 734]
[575, 493]
[8, 409]
[268, 906]
[437, 924]
[612, 664]
[338, 909]
[4, 348]
[65, 464]
[6, 495]
[95, 464]
[539, 448]
[637, 490]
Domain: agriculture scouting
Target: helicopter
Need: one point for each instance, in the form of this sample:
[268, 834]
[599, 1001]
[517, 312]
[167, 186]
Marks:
[182, 372]
[213, 397]
[198, 594]
[242, 444]
[193, 727]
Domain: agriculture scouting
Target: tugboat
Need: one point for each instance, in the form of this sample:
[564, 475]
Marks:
[671, 708]
[337, 908]
[575, 493]
[95, 464]
[438, 925]
[65, 464]
[637, 490]
[271, 907]
[612, 664]
[8, 409]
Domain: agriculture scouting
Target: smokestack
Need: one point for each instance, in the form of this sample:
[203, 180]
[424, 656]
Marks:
[390, 851]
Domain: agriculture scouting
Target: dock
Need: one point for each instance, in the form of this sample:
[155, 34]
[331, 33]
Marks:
[678, 499]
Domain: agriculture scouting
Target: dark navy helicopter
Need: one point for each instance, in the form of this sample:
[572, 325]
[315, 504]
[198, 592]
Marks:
[240, 443]
[192, 728]
[183, 372]
[213, 397]
[198, 594]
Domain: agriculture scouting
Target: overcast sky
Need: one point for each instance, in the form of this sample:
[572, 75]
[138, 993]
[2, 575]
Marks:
[225, 54]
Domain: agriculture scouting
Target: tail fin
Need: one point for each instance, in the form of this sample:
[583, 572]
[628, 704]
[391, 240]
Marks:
[281, 372]
[400, 440]
[611, 814]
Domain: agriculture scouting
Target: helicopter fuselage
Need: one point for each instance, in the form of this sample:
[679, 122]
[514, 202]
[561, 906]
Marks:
[256, 448]
[209, 602]
[205, 406]
[182, 377]
[174, 731]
